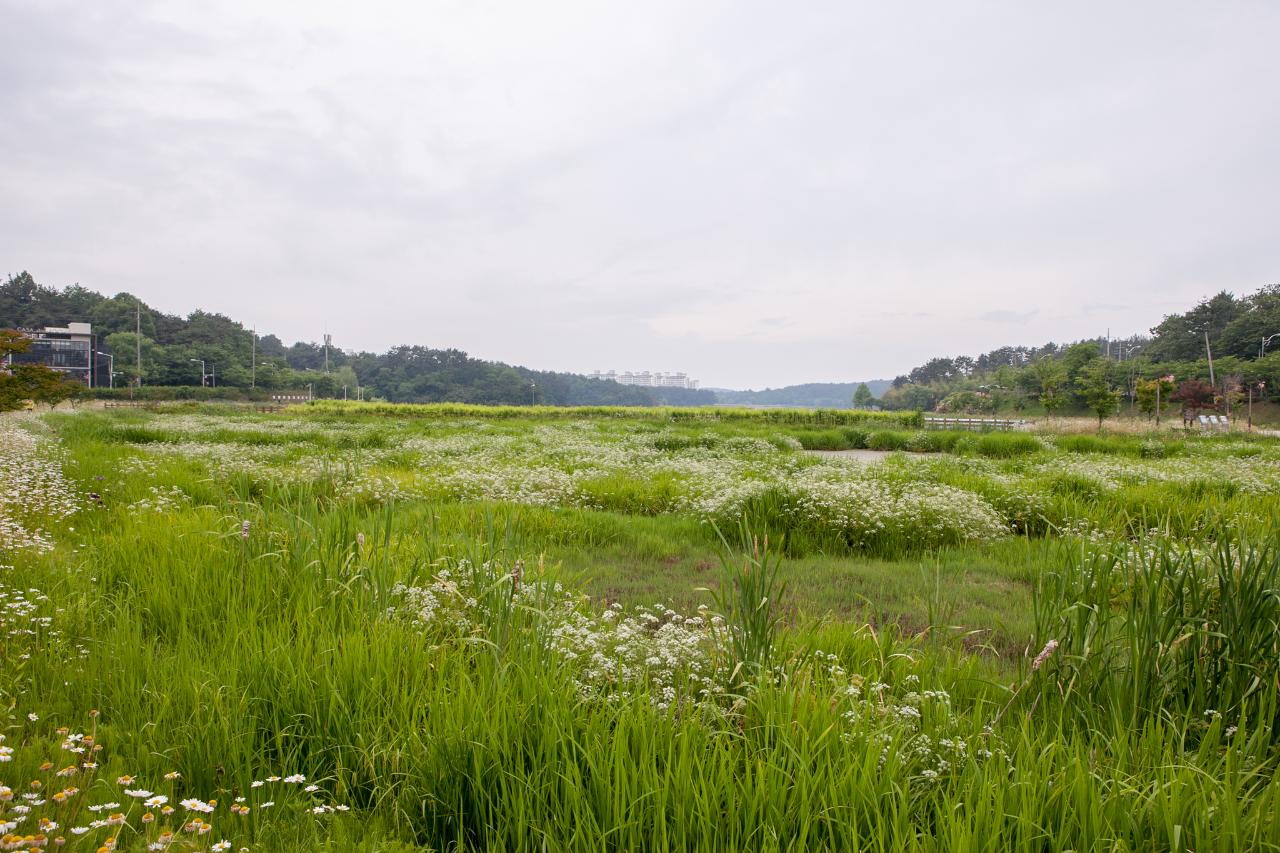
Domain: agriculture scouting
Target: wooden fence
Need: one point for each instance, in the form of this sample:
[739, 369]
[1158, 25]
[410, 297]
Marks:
[976, 424]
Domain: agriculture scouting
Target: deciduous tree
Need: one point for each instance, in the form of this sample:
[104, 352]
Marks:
[1095, 386]
[22, 381]
[863, 398]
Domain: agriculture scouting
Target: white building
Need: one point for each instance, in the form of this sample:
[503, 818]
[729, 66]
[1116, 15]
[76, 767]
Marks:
[647, 379]
[68, 349]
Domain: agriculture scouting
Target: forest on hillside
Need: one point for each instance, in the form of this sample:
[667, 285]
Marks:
[1240, 334]
[172, 348]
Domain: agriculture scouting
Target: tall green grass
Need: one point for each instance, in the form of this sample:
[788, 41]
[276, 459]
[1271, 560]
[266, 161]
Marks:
[1167, 631]
[675, 414]
[225, 657]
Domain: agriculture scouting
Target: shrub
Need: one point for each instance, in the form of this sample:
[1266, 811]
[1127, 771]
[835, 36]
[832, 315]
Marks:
[946, 440]
[823, 439]
[922, 442]
[885, 440]
[1152, 448]
[1084, 444]
[856, 437]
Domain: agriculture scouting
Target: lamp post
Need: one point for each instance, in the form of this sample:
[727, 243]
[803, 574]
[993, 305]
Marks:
[1262, 351]
[202, 373]
[269, 377]
[111, 368]
[533, 393]
[1130, 379]
[1261, 385]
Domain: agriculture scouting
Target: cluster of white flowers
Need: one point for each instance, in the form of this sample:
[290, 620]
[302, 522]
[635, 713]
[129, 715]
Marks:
[145, 466]
[33, 489]
[29, 630]
[165, 427]
[21, 612]
[656, 650]
[612, 653]
[225, 458]
[928, 499]
[913, 727]
[443, 603]
[1256, 476]
[161, 499]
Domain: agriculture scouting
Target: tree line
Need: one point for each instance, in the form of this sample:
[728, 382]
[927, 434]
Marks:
[1217, 353]
[172, 348]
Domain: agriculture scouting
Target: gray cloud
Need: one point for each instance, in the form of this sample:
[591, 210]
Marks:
[1009, 316]
[752, 193]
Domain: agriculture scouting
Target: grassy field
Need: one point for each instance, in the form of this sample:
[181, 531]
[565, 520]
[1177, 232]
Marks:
[450, 628]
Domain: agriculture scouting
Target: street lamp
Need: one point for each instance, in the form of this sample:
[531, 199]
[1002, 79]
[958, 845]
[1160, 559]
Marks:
[111, 368]
[533, 393]
[1130, 377]
[1262, 352]
[202, 373]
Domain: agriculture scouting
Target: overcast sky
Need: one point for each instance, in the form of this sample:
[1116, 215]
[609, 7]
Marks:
[757, 194]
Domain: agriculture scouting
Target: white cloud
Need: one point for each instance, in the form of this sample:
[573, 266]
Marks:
[756, 194]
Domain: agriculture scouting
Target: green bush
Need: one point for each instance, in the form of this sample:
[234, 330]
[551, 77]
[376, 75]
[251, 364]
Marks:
[823, 439]
[885, 440]
[855, 437]
[946, 440]
[178, 392]
[922, 442]
[1152, 448]
[1005, 445]
[1084, 444]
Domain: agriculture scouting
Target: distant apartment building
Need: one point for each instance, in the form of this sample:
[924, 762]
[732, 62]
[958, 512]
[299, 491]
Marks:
[646, 379]
[68, 349]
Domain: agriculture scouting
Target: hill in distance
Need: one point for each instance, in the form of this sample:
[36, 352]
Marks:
[811, 395]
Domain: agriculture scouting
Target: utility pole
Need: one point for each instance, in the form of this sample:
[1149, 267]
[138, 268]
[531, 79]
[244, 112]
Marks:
[253, 360]
[1208, 352]
[327, 338]
[137, 336]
